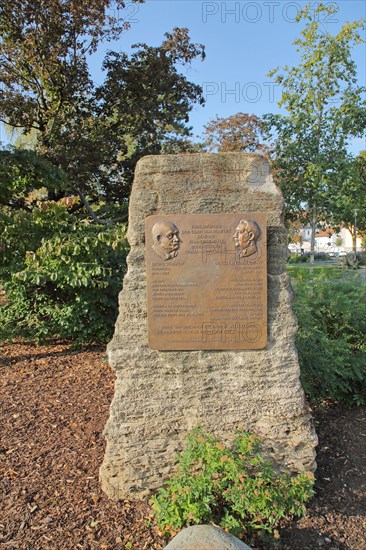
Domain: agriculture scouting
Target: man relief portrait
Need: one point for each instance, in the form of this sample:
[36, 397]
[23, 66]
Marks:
[245, 238]
[166, 240]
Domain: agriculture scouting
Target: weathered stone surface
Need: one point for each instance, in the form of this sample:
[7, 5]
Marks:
[205, 537]
[160, 396]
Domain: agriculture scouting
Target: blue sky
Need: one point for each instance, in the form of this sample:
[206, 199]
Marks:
[243, 40]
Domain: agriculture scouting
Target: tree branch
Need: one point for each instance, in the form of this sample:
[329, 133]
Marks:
[17, 205]
[94, 216]
[18, 125]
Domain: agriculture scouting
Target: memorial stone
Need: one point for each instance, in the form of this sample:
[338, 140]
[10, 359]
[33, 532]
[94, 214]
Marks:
[205, 332]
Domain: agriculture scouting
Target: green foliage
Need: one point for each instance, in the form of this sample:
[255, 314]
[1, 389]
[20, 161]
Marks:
[362, 256]
[348, 204]
[325, 108]
[235, 488]
[21, 172]
[296, 259]
[95, 134]
[22, 232]
[330, 307]
[239, 132]
[61, 275]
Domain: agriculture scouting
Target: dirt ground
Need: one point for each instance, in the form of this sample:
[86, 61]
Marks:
[54, 405]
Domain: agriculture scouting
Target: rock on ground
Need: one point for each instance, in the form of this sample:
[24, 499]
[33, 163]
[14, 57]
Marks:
[205, 537]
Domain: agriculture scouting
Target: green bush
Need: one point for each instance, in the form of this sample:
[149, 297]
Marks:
[330, 307]
[234, 488]
[362, 258]
[296, 259]
[61, 280]
[321, 256]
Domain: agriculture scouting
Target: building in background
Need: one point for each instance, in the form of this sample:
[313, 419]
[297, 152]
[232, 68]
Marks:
[327, 241]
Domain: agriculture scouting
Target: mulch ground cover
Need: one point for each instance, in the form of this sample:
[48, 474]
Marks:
[54, 405]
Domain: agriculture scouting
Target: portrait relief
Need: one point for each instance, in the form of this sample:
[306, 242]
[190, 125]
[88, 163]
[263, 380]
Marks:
[245, 238]
[166, 241]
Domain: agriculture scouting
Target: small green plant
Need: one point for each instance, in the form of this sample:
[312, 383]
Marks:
[339, 241]
[234, 488]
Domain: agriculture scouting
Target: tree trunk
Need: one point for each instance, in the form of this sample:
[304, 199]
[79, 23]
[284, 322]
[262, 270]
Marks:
[354, 239]
[312, 241]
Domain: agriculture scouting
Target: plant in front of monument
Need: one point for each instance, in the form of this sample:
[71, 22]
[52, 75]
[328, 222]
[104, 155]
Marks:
[236, 488]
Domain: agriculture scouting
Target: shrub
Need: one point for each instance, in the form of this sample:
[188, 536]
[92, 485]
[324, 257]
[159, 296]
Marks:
[330, 307]
[362, 256]
[322, 256]
[296, 259]
[67, 284]
[235, 488]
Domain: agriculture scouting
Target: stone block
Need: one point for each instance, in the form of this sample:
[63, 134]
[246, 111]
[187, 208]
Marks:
[161, 395]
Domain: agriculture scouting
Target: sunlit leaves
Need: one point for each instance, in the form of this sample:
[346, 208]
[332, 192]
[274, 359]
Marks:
[325, 108]
[239, 132]
[95, 136]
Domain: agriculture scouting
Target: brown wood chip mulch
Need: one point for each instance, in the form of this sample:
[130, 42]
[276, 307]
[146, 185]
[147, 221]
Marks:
[54, 405]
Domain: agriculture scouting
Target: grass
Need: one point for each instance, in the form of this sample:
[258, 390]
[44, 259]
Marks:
[332, 272]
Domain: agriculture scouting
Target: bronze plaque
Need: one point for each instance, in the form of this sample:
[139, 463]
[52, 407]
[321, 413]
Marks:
[207, 281]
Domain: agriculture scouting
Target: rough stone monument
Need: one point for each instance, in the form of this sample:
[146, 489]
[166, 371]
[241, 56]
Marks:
[205, 333]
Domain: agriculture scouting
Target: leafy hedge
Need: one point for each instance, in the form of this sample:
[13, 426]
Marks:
[61, 275]
[331, 310]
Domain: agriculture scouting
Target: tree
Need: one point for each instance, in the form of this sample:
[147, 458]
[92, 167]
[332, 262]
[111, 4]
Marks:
[145, 101]
[348, 205]
[61, 270]
[95, 135]
[239, 132]
[43, 53]
[325, 109]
